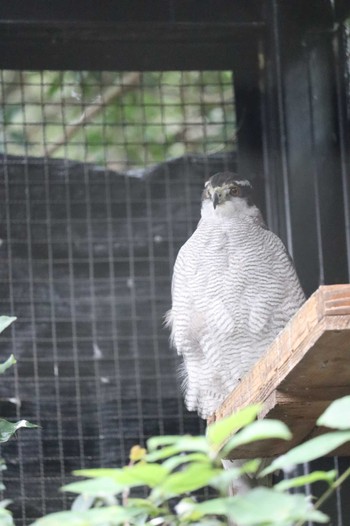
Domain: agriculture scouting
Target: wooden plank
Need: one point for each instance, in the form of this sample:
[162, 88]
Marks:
[305, 368]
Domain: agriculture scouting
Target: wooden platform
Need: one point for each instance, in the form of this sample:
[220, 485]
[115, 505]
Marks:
[306, 368]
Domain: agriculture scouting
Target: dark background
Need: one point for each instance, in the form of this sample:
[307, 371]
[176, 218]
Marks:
[87, 257]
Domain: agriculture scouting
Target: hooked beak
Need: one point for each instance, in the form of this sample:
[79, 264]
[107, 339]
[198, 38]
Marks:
[215, 200]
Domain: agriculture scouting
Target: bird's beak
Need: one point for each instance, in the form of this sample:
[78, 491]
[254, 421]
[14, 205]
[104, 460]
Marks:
[215, 200]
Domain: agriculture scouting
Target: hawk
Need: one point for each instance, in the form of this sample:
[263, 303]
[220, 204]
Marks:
[234, 288]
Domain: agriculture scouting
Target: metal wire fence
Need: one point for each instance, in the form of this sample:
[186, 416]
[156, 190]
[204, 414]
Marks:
[114, 119]
[86, 259]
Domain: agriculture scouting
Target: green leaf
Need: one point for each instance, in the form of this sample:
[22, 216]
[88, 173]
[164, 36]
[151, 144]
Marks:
[189, 443]
[259, 430]
[185, 443]
[310, 450]
[220, 431]
[6, 518]
[7, 429]
[5, 365]
[173, 462]
[83, 502]
[110, 515]
[5, 321]
[155, 442]
[141, 474]
[96, 472]
[315, 476]
[165, 452]
[6, 502]
[218, 506]
[337, 414]
[96, 487]
[189, 479]
[261, 506]
[251, 466]
[146, 506]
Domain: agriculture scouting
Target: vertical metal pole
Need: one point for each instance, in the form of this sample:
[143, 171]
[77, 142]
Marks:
[281, 119]
[341, 44]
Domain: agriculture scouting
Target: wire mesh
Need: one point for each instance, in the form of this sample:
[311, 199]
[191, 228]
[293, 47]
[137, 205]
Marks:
[115, 119]
[87, 253]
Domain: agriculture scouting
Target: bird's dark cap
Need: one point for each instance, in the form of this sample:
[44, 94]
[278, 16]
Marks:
[224, 178]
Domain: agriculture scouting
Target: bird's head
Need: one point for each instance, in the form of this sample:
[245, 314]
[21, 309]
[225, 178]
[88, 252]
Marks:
[225, 187]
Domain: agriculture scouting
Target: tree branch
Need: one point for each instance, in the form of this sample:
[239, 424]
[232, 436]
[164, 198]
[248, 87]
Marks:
[329, 492]
[128, 83]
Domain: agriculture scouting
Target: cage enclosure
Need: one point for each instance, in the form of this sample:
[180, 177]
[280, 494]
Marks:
[112, 118]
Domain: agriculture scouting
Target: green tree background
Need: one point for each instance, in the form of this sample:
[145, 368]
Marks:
[118, 120]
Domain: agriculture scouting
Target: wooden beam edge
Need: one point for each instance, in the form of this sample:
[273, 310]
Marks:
[327, 309]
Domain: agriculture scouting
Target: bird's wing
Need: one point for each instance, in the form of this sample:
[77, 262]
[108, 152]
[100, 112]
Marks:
[178, 318]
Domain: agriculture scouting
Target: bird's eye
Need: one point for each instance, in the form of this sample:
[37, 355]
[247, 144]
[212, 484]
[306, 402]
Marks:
[234, 190]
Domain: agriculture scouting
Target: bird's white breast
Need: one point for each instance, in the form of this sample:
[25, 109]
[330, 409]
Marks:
[234, 289]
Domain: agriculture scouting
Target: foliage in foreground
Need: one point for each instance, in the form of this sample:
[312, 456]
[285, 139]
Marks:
[8, 429]
[173, 467]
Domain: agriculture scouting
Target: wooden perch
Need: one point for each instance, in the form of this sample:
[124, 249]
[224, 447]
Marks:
[302, 372]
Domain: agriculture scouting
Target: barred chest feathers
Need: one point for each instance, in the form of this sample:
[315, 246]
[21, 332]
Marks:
[234, 289]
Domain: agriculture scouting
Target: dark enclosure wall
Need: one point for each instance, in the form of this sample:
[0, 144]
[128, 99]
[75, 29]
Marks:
[88, 242]
[87, 256]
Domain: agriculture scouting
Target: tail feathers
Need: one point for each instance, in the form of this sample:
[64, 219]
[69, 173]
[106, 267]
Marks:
[168, 321]
[169, 324]
[208, 403]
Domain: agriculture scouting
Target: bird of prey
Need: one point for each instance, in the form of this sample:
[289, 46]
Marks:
[234, 288]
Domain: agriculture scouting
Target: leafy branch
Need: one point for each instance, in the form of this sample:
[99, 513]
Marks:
[332, 488]
[172, 468]
[8, 429]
